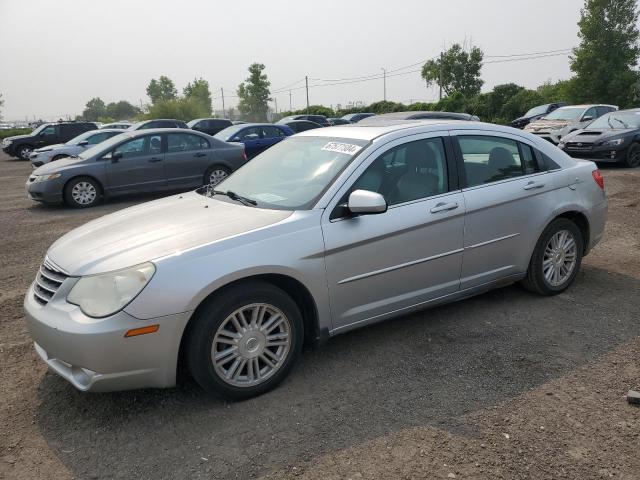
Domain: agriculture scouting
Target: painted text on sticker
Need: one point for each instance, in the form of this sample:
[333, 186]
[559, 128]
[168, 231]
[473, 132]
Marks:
[346, 148]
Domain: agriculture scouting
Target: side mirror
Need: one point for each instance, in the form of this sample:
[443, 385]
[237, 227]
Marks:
[364, 202]
[588, 118]
[113, 156]
[83, 143]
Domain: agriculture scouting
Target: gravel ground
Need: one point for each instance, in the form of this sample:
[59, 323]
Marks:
[504, 385]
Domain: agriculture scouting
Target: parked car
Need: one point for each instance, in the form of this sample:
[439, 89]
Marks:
[565, 120]
[73, 147]
[338, 121]
[210, 126]
[135, 162]
[302, 125]
[614, 137]
[256, 137]
[238, 122]
[123, 125]
[158, 123]
[330, 230]
[46, 134]
[319, 119]
[356, 117]
[536, 113]
[385, 117]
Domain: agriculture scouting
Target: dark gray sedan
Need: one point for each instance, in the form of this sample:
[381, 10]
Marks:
[134, 162]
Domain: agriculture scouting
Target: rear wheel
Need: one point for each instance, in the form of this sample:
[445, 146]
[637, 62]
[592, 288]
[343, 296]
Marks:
[633, 156]
[245, 342]
[216, 174]
[82, 192]
[556, 259]
[24, 151]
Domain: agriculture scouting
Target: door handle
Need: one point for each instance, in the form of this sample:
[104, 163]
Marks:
[154, 160]
[443, 207]
[532, 185]
[200, 154]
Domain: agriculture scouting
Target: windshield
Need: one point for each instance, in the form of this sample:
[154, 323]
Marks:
[103, 147]
[192, 123]
[79, 138]
[536, 111]
[229, 132]
[292, 174]
[565, 113]
[616, 121]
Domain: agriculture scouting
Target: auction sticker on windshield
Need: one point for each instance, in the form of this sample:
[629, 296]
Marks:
[346, 148]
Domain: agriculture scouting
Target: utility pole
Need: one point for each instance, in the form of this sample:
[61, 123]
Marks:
[306, 82]
[440, 75]
[222, 93]
[276, 102]
[290, 104]
[384, 77]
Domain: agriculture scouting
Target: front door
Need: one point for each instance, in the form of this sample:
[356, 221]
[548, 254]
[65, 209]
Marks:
[411, 254]
[508, 201]
[140, 167]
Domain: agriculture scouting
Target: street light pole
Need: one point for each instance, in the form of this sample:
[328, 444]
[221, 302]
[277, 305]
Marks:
[306, 82]
[384, 77]
[222, 92]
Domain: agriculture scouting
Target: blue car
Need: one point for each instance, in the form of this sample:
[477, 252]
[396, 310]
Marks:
[256, 137]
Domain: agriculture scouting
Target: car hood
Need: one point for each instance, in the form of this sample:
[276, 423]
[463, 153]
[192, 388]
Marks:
[49, 148]
[54, 167]
[17, 137]
[155, 229]
[596, 136]
[548, 124]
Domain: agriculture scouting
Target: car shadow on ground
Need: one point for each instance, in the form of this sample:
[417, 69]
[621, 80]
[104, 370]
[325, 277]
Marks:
[428, 368]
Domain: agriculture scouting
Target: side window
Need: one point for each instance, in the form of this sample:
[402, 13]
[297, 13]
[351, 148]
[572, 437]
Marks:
[183, 142]
[489, 159]
[132, 148]
[50, 130]
[591, 112]
[252, 133]
[407, 172]
[272, 132]
[97, 138]
[528, 159]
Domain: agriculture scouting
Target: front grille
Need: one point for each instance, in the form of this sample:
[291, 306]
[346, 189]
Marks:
[580, 146]
[48, 282]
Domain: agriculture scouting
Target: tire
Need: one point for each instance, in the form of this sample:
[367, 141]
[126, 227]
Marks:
[58, 157]
[220, 172]
[214, 321]
[24, 151]
[632, 159]
[547, 259]
[82, 192]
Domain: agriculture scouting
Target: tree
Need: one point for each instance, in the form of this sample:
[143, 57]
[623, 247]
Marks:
[254, 95]
[185, 108]
[199, 91]
[94, 109]
[161, 89]
[604, 61]
[456, 70]
[122, 110]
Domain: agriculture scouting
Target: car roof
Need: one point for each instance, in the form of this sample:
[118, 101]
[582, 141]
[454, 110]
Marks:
[102, 130]
[146, 131]
[589, 105]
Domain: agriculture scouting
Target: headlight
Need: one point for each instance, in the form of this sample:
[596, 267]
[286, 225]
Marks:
[613, 143]
[561, 145]
[6, 143]
[108, 293]
[44, 178]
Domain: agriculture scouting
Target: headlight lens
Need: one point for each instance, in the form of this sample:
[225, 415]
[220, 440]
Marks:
[44, 178]
[613, 143]
[108, 293]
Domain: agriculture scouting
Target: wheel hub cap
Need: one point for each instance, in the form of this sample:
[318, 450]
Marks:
[251, 345]
[560, 257]
[83, 193]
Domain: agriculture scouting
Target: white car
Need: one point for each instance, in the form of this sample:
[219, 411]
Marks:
[72, 148]
[123, 125]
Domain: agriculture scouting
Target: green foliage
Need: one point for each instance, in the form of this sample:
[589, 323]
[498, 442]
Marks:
[14, 131]
[456, 70]
[121, 110]
[94, 109]
[200, 92]
[606, 58]
[254, 95]
[184, 108]
[161, 89]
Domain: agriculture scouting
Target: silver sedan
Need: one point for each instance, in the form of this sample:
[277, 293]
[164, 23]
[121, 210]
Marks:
[330, 230]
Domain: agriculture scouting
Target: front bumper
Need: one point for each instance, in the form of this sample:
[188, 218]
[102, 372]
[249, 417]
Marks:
[94, 355]
[46, 192]
[599, 154]
[9, 150]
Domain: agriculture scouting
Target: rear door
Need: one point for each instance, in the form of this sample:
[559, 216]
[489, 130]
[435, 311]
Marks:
[141, 167]
[251, 137]
[508, 199]
[187, 157]
[271, 136]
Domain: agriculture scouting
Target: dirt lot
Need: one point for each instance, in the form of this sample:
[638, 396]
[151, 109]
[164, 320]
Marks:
[505, 385]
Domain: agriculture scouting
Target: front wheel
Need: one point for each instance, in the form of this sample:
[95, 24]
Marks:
[245, 342]
[633, 156]
[215, 175]
[82, 192]
[24, 152]
[556, 259]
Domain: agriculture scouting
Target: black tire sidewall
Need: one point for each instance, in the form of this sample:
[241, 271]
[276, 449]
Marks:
[214, 312]
[537, 275]
[633, 148]
[68, 198]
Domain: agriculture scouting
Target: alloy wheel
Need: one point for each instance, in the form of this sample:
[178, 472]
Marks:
[560, 258]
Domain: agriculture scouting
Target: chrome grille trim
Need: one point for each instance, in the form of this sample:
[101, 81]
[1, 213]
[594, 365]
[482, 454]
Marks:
[48, 281]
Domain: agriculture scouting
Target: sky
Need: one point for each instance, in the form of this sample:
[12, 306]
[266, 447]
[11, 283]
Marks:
[56, 55]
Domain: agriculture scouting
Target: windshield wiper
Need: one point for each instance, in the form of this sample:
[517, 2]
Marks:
[620, 121]
[235, 196]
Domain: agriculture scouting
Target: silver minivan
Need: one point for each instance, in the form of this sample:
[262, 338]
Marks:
[329, 230]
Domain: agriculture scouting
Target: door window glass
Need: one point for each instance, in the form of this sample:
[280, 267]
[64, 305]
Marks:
[489, 159]
[591, 112]
[184, 142]
[272, 132]
[252, 133]
[50, 130]
[98, 137]
[140, 146]
[407, 172]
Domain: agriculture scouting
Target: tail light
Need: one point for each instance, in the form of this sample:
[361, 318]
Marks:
[598, 178]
